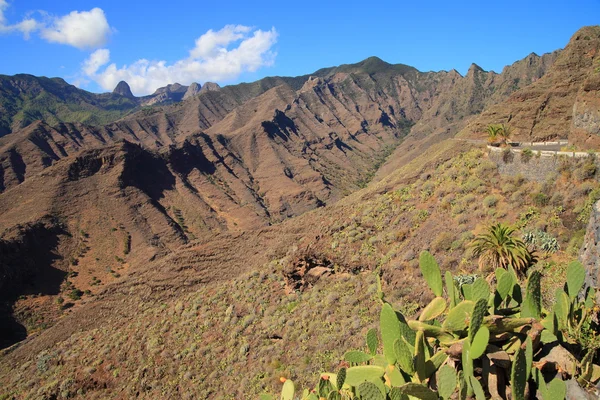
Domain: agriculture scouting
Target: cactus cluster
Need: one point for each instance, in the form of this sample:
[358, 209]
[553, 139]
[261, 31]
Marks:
[474, 342]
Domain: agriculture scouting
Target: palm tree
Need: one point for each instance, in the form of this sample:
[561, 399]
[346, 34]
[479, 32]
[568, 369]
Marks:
[505, 132]
[497, 247]
[492, 131]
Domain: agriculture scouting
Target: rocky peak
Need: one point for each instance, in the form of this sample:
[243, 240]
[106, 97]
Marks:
[192, 90]
[124, 90]
[474, 68]
[209, 87]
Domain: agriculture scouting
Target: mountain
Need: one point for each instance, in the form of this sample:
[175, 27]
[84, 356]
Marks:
[172, 249]
[26, 98]
[561, 104]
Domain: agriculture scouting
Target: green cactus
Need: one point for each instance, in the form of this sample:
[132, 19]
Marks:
[357, 357]
[419, 391]
[518, 375]
[477, 389]
[480, 290]
[356, 375]
[390, 331]
[404, 356]
[288, 390]
[372, 341]
[451, 289]
[431, 272]
[340, 379]
[396, 394]
[458, 317]
[394, 376]
[325, 386]
[467, 291]
[446, 381]
[420, 357]
[528, 356]
[557, 390]
[334, 395]
[369, 391]
[479, 311]
[436, 307]
[480, 342]
[505, 283]
[575, 278]
[561, 308]
[532, 306]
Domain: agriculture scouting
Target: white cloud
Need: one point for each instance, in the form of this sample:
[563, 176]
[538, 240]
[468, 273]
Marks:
[97, 59]
[217, 56]
[26, 26]
[81, 29]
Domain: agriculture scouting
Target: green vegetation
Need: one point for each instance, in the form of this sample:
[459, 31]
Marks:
[55, 101]
[465, 342]
[497, 247]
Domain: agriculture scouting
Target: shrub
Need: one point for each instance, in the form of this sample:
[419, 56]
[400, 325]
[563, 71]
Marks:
[526, 154]
[490, 201]
[540, 199]
[586, 171]
[443, 242]
[75, 294]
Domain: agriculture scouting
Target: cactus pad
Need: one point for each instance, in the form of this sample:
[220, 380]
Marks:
[357, 357]
[575, 278]
[372, 341]
[390, 331]
[369, 391]
[431, 272]
[446, 381]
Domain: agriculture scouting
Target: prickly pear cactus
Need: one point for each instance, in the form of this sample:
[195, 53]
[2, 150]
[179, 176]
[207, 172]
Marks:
[431, 272]
[446, 381]
[575, 278]
[287, 392]
[532, 306]
[357, 357]
[372, 341]
[518, 375]
[390, 332]
[341, 378]
[369, 391]
[404, 356]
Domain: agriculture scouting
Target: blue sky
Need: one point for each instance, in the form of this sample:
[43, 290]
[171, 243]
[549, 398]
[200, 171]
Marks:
[96, 43]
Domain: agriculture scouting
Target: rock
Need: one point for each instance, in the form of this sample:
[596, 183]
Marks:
[589, 254]
[192, 90]
[576, 392]
[409, 255]
[210, 87]
[315, 273]
[559, 358]
[124, 90]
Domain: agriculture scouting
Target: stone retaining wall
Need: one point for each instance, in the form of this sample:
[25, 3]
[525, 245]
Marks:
[533, 168]
[543, 153]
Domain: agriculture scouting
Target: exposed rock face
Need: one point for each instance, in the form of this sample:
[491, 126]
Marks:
[210, 86]
[124, 90]
[168, 94]
[191, 91]
[564, 103]
[590, 251]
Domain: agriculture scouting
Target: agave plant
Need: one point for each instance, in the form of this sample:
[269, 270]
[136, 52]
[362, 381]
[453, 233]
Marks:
[492, 131]
[498, 247]
[505, 132]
